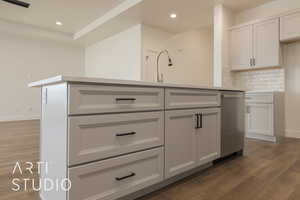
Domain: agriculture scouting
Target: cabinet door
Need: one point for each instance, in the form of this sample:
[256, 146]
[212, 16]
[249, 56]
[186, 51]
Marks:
[290, 27]
[180, 141]
[259, 119]
[209, 136]
[266, 44]
[241, 45]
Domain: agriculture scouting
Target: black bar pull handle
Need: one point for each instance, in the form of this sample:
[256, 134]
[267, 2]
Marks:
[18, 3]
[125, 99]
[125, 177]
[201, 120]
[125, 134]
[197, 121]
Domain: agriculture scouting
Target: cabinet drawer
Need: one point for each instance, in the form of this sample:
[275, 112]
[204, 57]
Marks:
[113, 178]
[102, 136]
[184, 98]
[259, 97]
[91, 99]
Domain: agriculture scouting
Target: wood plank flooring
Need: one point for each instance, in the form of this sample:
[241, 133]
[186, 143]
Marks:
[267, 171]
[19, 143]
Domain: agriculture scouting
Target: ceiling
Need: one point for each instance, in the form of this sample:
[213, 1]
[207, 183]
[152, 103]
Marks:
[78, 14]
[240, 5]
[74, 14]
[194, 14]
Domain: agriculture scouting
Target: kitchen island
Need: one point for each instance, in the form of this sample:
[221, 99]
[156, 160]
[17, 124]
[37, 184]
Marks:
[114, 138]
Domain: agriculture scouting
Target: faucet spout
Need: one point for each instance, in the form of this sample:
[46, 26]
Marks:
[159, 76]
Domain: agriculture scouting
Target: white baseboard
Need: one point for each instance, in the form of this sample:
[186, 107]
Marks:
[19, 118]
[292, 134]
[261, 137]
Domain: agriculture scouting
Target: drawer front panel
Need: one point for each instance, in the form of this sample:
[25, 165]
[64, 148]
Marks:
[259, 98]
[91, 99]
[102, 136]
[113, 178]
[182, 98]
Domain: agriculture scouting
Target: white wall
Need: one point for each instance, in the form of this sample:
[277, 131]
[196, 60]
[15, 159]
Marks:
[266, 10]
[132, 54]
[292, 93]
[218, 38]
[223, 19]
[27, 59]
[153, 41]
[116, 57]
[190, 51]
[192, 54]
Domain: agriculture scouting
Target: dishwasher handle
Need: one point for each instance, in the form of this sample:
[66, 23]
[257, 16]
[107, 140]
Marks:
[232, 96]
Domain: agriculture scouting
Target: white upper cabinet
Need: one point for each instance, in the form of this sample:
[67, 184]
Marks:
[266, 51]
[290, 27]
[241, 47]
[255, 46]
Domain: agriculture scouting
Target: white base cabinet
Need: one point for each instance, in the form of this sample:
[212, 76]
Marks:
[265, 115]
[260, 119]
[111, 141]
[192, 139]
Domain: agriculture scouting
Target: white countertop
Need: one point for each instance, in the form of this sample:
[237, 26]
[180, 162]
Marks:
[73, 79]
[262, 91]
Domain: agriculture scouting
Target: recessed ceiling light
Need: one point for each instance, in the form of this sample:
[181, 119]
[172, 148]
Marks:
[173, 15]
[58, 23]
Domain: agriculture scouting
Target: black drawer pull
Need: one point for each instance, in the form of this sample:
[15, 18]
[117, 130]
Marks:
[125, 99]
[125, 177]
[125, 134]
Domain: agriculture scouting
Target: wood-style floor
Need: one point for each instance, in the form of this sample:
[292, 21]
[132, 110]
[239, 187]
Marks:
[19, 143]
[267, 171]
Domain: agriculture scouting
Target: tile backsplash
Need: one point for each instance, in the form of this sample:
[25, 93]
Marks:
[270, 79]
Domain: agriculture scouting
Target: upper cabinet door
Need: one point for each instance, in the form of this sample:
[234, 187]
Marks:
[290, 27]
[241, 45]
[180, 142]
[266, 44]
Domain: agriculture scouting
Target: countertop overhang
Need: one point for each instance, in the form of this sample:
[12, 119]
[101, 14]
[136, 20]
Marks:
[102, 81]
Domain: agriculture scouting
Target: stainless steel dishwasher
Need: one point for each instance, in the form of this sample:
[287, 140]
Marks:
[233, 123]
